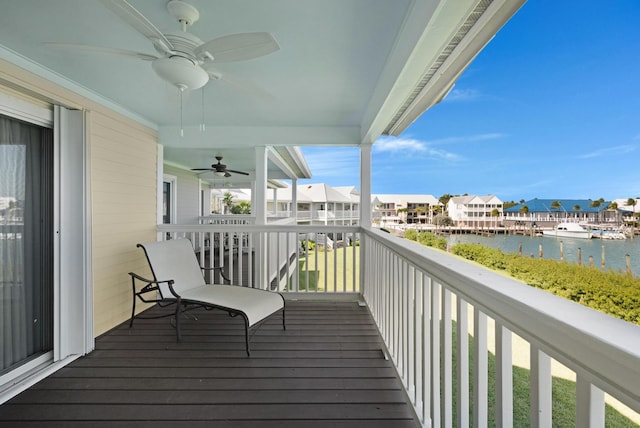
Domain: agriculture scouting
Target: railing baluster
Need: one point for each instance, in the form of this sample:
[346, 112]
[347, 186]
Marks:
[411, 332]
[435, 353]
[418, 340]
[462, 362]
[589, 404]
[540, 373]
[447, 367]
[480, 368]
[504, 376]
[427, 380]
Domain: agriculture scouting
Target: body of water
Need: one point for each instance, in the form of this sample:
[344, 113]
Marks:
[615, 251]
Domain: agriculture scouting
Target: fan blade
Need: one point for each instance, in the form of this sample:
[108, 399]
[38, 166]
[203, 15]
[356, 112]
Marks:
[238, 47]
[238, 83]
[102, 50]
[135, 19]
[237, 172]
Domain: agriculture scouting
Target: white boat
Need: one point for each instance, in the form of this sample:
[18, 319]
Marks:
[568, 230]
[609, 234]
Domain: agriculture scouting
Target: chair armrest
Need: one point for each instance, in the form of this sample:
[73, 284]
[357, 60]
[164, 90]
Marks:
[149, 287]
[220, 268]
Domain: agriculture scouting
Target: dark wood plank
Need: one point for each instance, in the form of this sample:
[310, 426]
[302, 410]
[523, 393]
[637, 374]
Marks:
[326, 370]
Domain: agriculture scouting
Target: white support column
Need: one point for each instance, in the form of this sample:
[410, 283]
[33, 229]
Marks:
[274, 211]
[260, 210]
[294, 198]
[260, 192]
[365, 185]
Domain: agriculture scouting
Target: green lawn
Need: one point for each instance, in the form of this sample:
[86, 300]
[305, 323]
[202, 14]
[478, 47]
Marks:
[563, 397]
[331, 270]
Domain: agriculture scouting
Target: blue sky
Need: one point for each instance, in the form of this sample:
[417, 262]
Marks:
[549, 109]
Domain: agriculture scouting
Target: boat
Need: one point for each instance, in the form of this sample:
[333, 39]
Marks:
[609, 234]
[568, 230]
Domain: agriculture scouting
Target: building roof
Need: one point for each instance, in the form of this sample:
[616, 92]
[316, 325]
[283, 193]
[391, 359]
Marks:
[404, 199]
[566, 205]
[321, 193]
[468, 199]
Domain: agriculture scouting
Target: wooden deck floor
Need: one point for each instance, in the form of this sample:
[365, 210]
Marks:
[325, 370]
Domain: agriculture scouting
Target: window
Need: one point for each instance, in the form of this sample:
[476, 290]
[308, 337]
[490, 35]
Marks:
[26, 242]
[169, 199]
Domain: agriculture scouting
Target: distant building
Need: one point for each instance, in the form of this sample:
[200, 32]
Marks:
[475, 211]
[404, 209]
[318, 204]
[548, 212]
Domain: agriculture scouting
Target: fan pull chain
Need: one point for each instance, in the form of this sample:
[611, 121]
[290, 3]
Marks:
[202, 126]
[181, 108]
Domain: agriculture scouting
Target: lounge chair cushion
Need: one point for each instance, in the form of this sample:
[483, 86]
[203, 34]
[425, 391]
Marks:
[255, 304]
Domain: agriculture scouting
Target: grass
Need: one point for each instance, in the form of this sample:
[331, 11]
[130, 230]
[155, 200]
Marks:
[563, 397]
[330, 271]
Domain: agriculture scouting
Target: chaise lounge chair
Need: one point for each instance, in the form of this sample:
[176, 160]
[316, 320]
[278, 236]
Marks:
[178, 279]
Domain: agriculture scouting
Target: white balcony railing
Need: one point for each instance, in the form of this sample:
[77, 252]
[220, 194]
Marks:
[419, 297]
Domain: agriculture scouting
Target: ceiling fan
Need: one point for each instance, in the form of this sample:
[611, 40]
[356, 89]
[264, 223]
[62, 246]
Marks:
[182, 58]
[220, 169]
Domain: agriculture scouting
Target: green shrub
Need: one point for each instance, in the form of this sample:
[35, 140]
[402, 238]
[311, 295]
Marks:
[613, 293]
[431, 240]
[411, 234]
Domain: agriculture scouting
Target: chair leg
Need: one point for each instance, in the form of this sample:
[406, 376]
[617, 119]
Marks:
[284, 327]
[133, 312]
[178, 304]
[246, 336]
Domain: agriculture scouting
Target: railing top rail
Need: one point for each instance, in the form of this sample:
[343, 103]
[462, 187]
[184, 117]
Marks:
[256, 228]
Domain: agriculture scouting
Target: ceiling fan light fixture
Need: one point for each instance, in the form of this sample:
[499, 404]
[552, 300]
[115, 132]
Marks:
[220, 173]
[181, 72]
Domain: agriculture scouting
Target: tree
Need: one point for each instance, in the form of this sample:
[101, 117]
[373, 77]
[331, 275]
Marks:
[443, 220]
[556, 205]
[444, 199]
[242, 207]
[227, 201]
[495, 213]
[510, 204]
[632, 202]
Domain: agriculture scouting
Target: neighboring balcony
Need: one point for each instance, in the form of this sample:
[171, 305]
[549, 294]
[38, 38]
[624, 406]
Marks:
[361, 313]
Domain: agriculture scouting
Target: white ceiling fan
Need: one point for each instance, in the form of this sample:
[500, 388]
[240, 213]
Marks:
[182, 58]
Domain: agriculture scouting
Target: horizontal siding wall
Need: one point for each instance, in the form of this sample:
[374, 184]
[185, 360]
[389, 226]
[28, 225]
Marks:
[123, 165]
[123, 183]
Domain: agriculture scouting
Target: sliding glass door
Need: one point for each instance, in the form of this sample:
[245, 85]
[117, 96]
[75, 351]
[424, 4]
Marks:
[26, 242]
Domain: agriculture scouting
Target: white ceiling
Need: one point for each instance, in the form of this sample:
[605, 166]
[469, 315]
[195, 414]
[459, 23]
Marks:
[344, 68]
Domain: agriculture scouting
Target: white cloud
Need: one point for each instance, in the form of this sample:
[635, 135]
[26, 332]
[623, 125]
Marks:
[412, 147]
[392, 144]
[468, 138]
[617, 150]
[462, 95]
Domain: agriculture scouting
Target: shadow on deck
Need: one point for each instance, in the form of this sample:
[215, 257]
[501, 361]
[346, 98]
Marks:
[326, 370]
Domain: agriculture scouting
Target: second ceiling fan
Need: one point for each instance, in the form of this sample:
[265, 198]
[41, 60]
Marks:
[220, 169]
